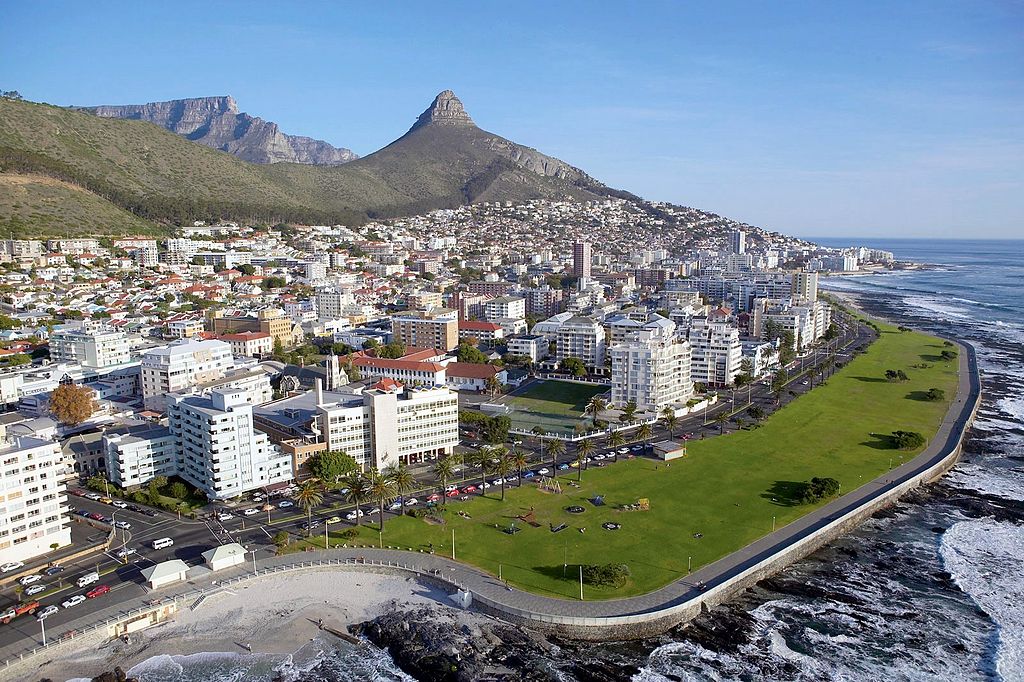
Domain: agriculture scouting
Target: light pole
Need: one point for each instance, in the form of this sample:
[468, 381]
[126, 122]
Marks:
[453, 544]
[253, 559]
[42, 625]
[773, 524]
[581, 582]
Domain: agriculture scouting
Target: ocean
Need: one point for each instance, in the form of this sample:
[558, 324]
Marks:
[930, 590]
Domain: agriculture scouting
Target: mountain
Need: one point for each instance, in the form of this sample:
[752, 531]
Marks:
[216, 122]
[443, 161]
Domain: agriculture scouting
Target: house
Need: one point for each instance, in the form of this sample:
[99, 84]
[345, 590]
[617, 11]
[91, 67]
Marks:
[472, 376]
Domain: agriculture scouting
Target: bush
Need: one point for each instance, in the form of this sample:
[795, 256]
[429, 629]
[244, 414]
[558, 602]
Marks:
[935, 395]
[350, 534]
[614, 575]
[818, 489]
[179, 490]
[907, 440]
[949, 355]
[281, 539]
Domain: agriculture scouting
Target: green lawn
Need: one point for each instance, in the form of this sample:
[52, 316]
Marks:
[727, 488]
[557, 406]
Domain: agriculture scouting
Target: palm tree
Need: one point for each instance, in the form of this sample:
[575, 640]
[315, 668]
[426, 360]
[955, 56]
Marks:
[670, 420]
[358, 491]
[381, 489]
[595, 406]
[628, 412]
[615, 441]
[503, 467]
[482, 460]
[644, 432]
[402, 478]
[444, 469]
[520, 462]
[556, 447]
[492, 385]
[583, 450]
[310, 494]
[720, 419]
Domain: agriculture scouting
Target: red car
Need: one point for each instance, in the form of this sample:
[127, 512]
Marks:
[97, 591]
[452, 493]
[469, 489]
[434, 498]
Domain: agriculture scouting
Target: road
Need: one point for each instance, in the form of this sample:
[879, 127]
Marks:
[193, 537]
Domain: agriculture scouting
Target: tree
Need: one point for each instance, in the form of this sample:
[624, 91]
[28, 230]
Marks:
[520, 462]
[280, 539]
[948, 354]
[540, 433]
[573, 366]
[616, 440]
[755, 413]
[274, 282]
[700, 387]
[644, 432]
[391, 351]
[908, 440]
[467, 352]
[331, 465]
[72, 404]
[503, 466]
[402, 479]
[310, 494]
[778, 385]
[818, 489]
[480, 459]
[670, 420]
[179, 490]
[444, 470]
[935, 394]
[583, 450]
[492, 385]
[614, 575]
[357, 491]
[721, 418]
[382, 489]
[594, 407]
[495, 429]
[556, 447]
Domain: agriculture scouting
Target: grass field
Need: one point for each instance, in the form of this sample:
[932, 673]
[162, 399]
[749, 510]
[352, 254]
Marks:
[557, 406]
[728, 488]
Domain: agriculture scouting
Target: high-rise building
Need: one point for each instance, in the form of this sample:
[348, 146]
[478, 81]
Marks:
[738, 241]
[583, 338]
[435, 328]
[33, 516]
[716, 351]
[181, 365]
[90, 345]
[218, 449]
[581, 256]
[651, 367]
[805, 285]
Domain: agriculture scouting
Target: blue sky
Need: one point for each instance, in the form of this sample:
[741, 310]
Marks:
[853, 119]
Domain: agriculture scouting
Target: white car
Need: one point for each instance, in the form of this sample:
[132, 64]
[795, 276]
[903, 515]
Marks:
[449, 488]
[395, 506]
[29, 579]
[353, 515]
[544, 471]
[120, 504]
[11, 566]
[48, 611]
[484, 485]
[126, 552]
[285, 503]
[123, 524]
[251, 511]
[372, 510]
[410, 501]
[35, 589]
[73, 601]
[599, 457]
[224, 516]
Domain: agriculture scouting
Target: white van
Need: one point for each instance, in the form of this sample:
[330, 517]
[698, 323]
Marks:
[88, 579]
[162, 542]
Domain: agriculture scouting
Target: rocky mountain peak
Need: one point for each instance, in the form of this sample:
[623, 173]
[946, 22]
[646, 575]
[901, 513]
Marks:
[446, 109]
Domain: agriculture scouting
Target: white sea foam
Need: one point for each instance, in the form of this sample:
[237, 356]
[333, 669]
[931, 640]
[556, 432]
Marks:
[934, 305]
[983, 557]
[987, 480]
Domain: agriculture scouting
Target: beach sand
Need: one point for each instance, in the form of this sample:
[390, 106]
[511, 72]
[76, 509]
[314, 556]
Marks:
[274, 614]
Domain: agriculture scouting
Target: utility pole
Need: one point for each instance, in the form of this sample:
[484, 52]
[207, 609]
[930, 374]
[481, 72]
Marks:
[453, 544]
[581, 582]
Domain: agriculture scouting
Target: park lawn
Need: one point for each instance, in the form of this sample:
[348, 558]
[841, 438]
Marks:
[556, 406]
[728, 488]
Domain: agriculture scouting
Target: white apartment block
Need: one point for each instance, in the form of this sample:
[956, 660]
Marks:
[331, 303]
[73, 247]
[583, 338]
[142, 452]
[505, 307]
[219, 451]
[185, 329]
[652, 367]
[388, 423]
[534, 346]
[180, 366]
[89, 345]
[716, 352]
[33, 502]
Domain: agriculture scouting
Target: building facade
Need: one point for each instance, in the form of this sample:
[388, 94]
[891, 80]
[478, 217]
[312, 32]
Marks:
[436, 328]
[90, 345]
[181, 365]
[651, 367]
[33, 501]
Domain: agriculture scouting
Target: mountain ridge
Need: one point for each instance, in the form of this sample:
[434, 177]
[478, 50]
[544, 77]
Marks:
[217, 122]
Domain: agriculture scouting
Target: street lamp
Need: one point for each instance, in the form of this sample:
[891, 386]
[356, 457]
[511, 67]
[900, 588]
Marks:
[42, 625]
[253, 550]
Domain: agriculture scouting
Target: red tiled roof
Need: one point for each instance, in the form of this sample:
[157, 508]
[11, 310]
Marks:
[478, 326]
[471, 370]
[409, 365]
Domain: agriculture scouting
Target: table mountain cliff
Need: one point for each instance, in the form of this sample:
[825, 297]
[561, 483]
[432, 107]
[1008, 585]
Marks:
[216, 122]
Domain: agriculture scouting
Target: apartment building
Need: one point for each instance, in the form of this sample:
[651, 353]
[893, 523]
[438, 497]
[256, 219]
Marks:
[250, 344]
[543, 301]
[73, 247]
[805, 285]
[505, 307]
[90, 345]
[485, 333]
[140, 452]
[716, 351]
[181, 365]
[434, 328]
[33, 502]
[271, 321]
[583, 338]
[219, 450]
[582, 254]
[533, 346]
[185, 328]
[331, 303]
[651, 367]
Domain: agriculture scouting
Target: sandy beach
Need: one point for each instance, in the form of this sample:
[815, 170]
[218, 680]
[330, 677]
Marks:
[276, 614]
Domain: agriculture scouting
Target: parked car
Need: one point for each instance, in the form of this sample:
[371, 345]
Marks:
[452, 493]
[449, 488]
[563, 466]
[353, 515]
[48, 611]
[94, 496]
[107, 500]
[97, 591]
[53, 570]
[224, 516]
[333, 519]
[434, 498]
[73, 601]
[126, 552]
[372, 510]
[96, 517]
[136, 508]
[543, 471]
[411, 501]
[29, 579]
[123, 524]
[35, 589]
[82, 512]
[469, 489]
[284, 504]
[528, 474]
[395, 506]
[120, 504]
[11, 566]
[251, 511]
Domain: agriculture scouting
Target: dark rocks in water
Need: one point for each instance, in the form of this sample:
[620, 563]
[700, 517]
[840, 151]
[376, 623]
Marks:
[439, 644]
[723, 630]
[115, 675]
[938, 530]
[784, 585]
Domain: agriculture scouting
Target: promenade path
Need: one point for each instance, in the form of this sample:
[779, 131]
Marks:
[464, 577]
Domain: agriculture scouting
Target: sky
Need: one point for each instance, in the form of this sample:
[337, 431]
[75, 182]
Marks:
[896, 119]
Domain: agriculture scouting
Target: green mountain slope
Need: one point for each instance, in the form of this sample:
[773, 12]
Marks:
[138, 167]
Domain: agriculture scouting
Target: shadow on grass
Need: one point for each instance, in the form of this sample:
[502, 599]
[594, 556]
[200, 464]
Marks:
[918, 395]
[560, 572]
[785, 493]
[871, 380]
[931, 358]
[881, 441]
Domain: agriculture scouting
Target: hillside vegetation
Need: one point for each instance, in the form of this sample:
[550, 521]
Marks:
[153, 174]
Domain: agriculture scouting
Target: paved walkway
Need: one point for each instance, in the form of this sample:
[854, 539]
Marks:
[946, 441]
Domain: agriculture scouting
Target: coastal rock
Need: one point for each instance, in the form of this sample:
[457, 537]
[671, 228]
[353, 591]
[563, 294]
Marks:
[115, 675]
[435, 643]
[216, 122]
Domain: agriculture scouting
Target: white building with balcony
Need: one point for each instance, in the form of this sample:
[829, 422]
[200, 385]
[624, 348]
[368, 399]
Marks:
[716, 352]
[583, 338]
[33, 501]
[181, 365]
[90, 345]
[651, 367]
